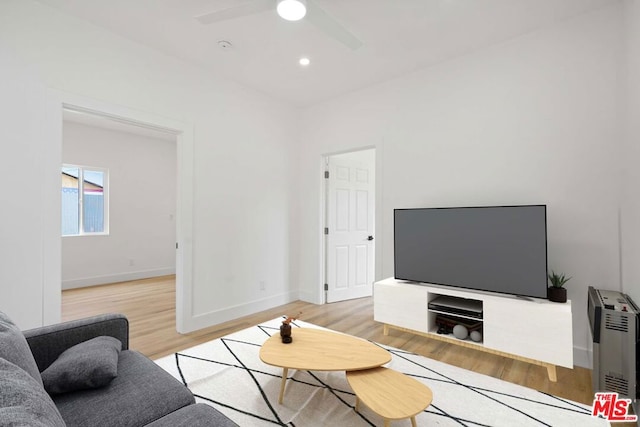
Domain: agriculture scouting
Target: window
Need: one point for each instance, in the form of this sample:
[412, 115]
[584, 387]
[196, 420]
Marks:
[84, 200]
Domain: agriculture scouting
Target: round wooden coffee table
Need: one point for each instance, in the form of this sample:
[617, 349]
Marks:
[389, 393]
[321, 350]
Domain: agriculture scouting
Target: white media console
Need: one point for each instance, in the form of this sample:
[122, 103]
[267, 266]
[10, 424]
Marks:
[531, 330]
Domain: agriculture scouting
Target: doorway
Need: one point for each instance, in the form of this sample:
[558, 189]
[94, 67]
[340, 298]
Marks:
[349, 225]
[57, 102]
[125, 228]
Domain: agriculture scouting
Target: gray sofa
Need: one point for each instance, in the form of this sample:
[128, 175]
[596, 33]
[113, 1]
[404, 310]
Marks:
[141, 393]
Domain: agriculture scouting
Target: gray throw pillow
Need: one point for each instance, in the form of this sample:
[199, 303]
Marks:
[90, 364]
[23, 401]
[14, 347]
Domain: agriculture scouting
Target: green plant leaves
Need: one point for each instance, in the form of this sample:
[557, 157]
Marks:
[558, 280]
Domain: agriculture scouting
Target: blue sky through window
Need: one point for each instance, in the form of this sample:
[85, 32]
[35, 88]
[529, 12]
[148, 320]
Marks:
[94, 177]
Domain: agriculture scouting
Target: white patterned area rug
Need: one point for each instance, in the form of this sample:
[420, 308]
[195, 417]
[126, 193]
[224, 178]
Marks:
[228, 374]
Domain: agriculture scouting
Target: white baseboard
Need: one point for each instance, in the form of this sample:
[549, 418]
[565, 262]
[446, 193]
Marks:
[226, 314]
[115, 278]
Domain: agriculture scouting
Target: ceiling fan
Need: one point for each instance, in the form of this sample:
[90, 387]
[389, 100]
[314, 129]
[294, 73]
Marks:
[291, 10]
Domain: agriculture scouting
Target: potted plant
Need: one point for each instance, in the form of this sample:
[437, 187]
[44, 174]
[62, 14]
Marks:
[556, 292]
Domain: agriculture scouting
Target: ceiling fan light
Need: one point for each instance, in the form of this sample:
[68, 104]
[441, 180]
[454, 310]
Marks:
[292, 10]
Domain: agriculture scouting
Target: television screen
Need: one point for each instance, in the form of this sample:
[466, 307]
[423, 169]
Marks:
[495, 248]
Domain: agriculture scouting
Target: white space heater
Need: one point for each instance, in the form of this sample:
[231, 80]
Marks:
[613, 319]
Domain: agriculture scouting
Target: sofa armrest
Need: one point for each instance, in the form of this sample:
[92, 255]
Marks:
[48, 342]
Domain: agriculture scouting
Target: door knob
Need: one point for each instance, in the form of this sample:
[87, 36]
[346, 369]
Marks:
[370, 238]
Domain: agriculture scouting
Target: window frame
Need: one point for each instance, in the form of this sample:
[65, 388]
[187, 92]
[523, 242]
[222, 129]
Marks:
[105, 196]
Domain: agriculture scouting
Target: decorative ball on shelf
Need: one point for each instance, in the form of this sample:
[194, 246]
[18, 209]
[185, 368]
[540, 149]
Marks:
[460, 332]
[476, 336]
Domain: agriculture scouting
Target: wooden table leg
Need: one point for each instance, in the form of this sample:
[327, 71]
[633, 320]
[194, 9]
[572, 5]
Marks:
[413, 422]
[285, 372]
[357, 404]
[385, 329]
[386, 422]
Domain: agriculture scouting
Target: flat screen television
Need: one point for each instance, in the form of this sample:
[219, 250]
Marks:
[493, 248]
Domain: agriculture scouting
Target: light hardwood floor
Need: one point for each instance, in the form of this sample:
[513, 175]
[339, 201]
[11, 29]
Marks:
[150, 306]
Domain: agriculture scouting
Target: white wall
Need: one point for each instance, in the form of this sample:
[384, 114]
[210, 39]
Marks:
[142, 207]
[242, 157]
[21, 258]
[534, 120]
[631, 205]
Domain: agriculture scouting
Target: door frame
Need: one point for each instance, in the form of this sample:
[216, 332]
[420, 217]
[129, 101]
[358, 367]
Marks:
[323, 215]
[52, 238]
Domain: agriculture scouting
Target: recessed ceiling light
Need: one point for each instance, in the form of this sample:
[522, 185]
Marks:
[292, 10]
[304, 61]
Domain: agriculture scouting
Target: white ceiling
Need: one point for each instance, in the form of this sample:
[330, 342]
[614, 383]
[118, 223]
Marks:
[399, 37]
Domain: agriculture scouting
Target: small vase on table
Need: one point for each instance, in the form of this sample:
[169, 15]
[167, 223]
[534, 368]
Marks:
[285, 333]
[285, 329]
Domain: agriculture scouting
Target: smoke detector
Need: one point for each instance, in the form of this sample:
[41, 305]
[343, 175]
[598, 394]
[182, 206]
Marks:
[224, 45]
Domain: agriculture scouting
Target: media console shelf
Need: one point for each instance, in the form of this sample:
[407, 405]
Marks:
[532, 330]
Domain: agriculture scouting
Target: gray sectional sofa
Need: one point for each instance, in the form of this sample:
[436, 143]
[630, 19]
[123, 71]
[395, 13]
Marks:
[82, 373]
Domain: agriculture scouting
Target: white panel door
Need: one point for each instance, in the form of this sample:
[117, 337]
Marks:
[350, 246]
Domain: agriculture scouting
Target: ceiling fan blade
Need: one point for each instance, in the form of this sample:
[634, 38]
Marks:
[327, 24]
[250, 8]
